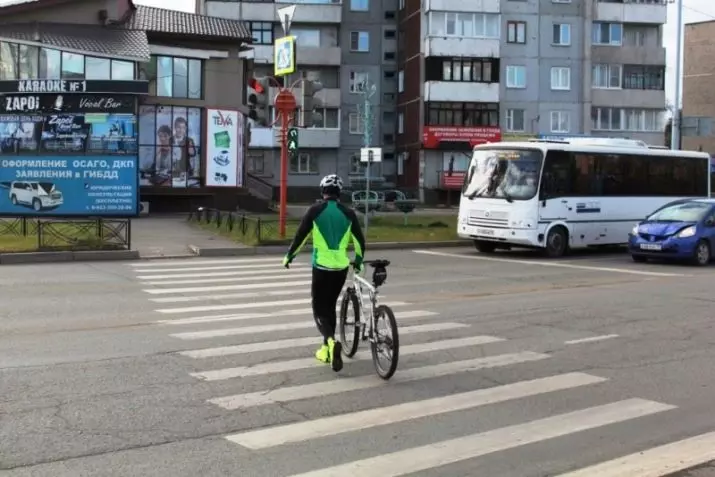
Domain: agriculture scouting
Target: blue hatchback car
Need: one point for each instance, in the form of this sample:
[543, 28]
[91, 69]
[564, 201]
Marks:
[684, 229]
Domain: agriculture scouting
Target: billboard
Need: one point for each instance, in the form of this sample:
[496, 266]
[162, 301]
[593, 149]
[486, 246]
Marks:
[224, 148]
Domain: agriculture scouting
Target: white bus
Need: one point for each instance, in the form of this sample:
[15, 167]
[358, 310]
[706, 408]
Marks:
[557, 195]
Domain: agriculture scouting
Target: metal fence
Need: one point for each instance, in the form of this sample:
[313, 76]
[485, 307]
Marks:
[24, 234]
[243, 227]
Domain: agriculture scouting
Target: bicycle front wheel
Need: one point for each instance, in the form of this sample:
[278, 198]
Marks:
[350, 326]
[384, 346]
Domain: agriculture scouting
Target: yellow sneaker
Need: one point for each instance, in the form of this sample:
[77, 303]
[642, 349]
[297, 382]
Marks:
[323, 354]
[336, 358]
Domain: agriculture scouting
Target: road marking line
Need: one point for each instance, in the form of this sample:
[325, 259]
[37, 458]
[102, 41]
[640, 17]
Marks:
[250, 316]
[169, 263]
[591, 339]
[306, 363]
[251, 273]
[326, 388]
[551, 264]
[469, 447]
[241, 306]
[221, 267]
[274, 279]
[247, 286]
[271, 345]
[356, 421]
[656, 462]
[249, 330]
[229, 296]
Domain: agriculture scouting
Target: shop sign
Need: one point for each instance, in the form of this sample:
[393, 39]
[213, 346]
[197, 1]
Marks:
[432, 136]
[224, 148]
[56, 103]
[452, 180]
[34, 86]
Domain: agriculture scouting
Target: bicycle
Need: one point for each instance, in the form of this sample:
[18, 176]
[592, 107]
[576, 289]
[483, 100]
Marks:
[366, 329]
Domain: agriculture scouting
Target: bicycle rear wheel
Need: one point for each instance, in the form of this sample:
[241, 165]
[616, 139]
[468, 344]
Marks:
[350, 330]
[392, 343]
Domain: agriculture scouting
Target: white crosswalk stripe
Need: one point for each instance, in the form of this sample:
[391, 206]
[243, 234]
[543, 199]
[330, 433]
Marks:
[251, 326]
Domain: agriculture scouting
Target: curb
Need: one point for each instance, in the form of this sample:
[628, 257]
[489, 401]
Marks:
[58, 257]
[281, 249]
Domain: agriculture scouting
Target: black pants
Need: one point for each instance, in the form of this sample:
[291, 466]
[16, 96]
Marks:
[325, 291]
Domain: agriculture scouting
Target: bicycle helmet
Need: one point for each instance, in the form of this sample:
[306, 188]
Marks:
[331, 184]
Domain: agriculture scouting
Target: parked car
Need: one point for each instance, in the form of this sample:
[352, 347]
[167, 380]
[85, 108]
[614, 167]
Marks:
[683, 229]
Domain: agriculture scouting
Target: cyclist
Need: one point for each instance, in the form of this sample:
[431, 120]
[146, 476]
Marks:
[332, 225]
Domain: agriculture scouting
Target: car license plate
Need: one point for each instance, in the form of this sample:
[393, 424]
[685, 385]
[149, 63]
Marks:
[651, 246]
[487, 232]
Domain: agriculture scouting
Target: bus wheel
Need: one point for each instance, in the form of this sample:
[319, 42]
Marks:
[485, 247]
[557, 242]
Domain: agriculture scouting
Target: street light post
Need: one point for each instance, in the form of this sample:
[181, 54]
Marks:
[368, 91]
[675, 127]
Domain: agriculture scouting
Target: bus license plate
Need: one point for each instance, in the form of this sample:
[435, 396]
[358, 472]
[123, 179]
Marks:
[487, 232]
[651, 246]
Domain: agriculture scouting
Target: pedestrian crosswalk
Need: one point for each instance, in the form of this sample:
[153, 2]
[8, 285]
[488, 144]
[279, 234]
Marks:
[247, 327]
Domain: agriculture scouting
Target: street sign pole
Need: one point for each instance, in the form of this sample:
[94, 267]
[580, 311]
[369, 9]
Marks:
[285, 105]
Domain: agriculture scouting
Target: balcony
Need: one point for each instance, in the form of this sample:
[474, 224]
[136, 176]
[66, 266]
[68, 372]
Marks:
[315, 11]
[456, 91]
[462, 47]
[629, 98]
[268, 138]
[323, 55]
[483, 6]
[628, 55]
[632, 11]
[327, 97]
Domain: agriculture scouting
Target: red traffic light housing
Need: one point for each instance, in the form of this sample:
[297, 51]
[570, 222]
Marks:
[256, 86]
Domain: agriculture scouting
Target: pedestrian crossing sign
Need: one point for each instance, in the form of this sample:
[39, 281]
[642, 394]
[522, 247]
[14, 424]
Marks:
[284, 56]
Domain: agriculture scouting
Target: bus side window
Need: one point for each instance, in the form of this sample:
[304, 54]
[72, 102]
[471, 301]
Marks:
[557, 179]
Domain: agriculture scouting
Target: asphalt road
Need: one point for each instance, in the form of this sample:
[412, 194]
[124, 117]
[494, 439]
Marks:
[512, 365]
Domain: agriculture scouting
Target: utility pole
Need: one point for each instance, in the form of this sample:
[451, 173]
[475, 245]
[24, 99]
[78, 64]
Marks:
[368, 91]
[675, 128]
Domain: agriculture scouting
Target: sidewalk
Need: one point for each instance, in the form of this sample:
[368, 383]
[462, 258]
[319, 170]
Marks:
[171, 235]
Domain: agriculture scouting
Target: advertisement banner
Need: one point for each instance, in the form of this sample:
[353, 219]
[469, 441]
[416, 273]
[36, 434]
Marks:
[74, 86]
[60, 186]
[432, 136]
[224, 148]
[61, 103]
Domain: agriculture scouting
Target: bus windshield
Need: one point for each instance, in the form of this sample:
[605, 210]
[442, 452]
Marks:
[510, 174]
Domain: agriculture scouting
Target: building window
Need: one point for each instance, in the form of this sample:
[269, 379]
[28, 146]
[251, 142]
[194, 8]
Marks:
[359, 41]
[124, 70]
[97, 68]
[358, 81]
[178, 77]
[50, 63]
[72, 66]
[170, 146]
[606, 76]
[8, 61]
[306, 37]
[390, 34]
[462, 114]
[622, 119]
[400, 81]
[515, 120]
[355, 124]
[475, 70]
[561, 78]
[516, 76]
[560, 121]
[642, 36]
[607, 34]
[516, 32]
[360, 5]
[327, 118]
[562, 34]
[303, 163]
[401, 123]
[469, 25]
[29, 59]
[644, 77]
[262, 33]
[255, 163]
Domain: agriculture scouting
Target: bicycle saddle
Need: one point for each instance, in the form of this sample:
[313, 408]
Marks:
[378, 263]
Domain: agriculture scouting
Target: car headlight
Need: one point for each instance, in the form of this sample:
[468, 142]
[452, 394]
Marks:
[687, 232]
[634, 231]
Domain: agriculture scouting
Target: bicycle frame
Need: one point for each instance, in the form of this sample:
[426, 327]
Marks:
[357, 286]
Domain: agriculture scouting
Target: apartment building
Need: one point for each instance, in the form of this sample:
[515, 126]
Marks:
[698, 75]
[343, 45]
[489, 69]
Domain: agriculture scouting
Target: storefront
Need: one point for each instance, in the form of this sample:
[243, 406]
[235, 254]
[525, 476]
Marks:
[69, 147]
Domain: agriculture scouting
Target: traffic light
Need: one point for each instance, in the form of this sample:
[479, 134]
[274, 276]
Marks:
[309, 104]
[258, 100]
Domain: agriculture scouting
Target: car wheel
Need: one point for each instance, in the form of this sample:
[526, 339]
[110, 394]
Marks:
[557, 242]
[13, 199]
[701, 257]
[37, 205]
[639, 258]
[484, 247]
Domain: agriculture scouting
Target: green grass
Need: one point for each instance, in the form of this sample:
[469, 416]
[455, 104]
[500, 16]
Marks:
[60, 236]
[392, 228]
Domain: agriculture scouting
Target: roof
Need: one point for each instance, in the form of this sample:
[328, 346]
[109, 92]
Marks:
[161, 20]
[103, 41]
